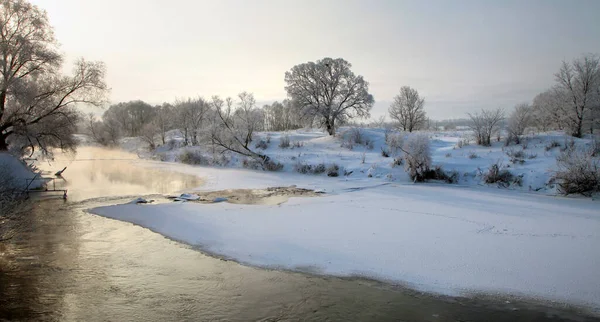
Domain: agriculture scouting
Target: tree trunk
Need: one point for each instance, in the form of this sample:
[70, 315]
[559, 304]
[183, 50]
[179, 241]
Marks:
[3, 143]
[330, 127]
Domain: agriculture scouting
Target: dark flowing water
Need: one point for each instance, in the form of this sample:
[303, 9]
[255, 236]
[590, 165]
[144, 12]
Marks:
[66, 264]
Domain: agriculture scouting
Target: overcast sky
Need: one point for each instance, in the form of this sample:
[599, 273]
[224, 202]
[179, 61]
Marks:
[460, 55]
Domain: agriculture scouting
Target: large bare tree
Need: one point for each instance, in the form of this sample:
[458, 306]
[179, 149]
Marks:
[578, 81]
[37, 103]
[407, 109]
[329, 91]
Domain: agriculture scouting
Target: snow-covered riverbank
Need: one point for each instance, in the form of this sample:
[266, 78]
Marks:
[440, 238]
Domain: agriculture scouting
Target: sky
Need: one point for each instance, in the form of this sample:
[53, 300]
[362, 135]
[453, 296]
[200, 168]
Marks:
[461, 56]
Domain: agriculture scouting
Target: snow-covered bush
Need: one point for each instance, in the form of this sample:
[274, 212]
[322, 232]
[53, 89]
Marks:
[271, 165]
[418, 156]
[333, 170]
[250, 163]
[394, 141]
[261, 144]
[385, 153]
[192, 157]
[462, 142]
[319, 168]
[297, 144]
[303, 168]
[284, 142]
[552, 144]
[397, 161]
[578, 172]
[516, 156]
[496, 174]
[473, 155]
[438, 173]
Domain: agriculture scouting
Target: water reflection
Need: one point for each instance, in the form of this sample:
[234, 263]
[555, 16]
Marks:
[69, 265]
[95, 172]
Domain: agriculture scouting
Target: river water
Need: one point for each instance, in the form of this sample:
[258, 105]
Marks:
[66, 264]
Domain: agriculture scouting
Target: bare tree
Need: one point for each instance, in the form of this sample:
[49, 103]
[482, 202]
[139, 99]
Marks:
[578, 80]
[163, 120]
[485, 124]
[234, 129]
[407, 109]
[36, 101]
[329, 91]
[518, 121]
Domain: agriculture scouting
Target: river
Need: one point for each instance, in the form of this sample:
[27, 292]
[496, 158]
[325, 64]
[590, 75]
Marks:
[66, 264]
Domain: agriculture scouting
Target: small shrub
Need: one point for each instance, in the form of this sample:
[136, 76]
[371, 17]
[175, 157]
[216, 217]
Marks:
[532, 156]
[497, 175]
[284, 143]
[160, 156]
[297, 144]
[319, 168]
[268, 138]
[516, 156]
[462, 143]
[569, 144]
[553, 144]
[473, 155]
[356, 136]
[192, 157]
[251, 164]
[417, 156]
[363, 157]
[394, 141]
[385, 153]
[333, 170]
[438, 173]
[578, 172]
[448, 155]
[271, 165]
[262, 144]
[303, 168]
[397, 162]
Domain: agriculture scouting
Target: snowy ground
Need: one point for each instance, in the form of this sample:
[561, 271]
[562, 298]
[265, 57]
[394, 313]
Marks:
[453, 239]
[432, 237]
[365, 160]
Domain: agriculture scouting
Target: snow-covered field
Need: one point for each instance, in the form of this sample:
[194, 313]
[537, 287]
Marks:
[453, 239]
[365, 160]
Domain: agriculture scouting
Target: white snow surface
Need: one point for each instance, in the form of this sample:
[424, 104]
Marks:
[438, 238]
[451, 239]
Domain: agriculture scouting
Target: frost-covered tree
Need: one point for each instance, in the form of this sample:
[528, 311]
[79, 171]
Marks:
[548, 110]
[164, 120]
[578, 81]
[518, 121]
[36, 101]
[407, 109]
[485, 124]
[191, 115]
[233, 128]
[327, 90]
